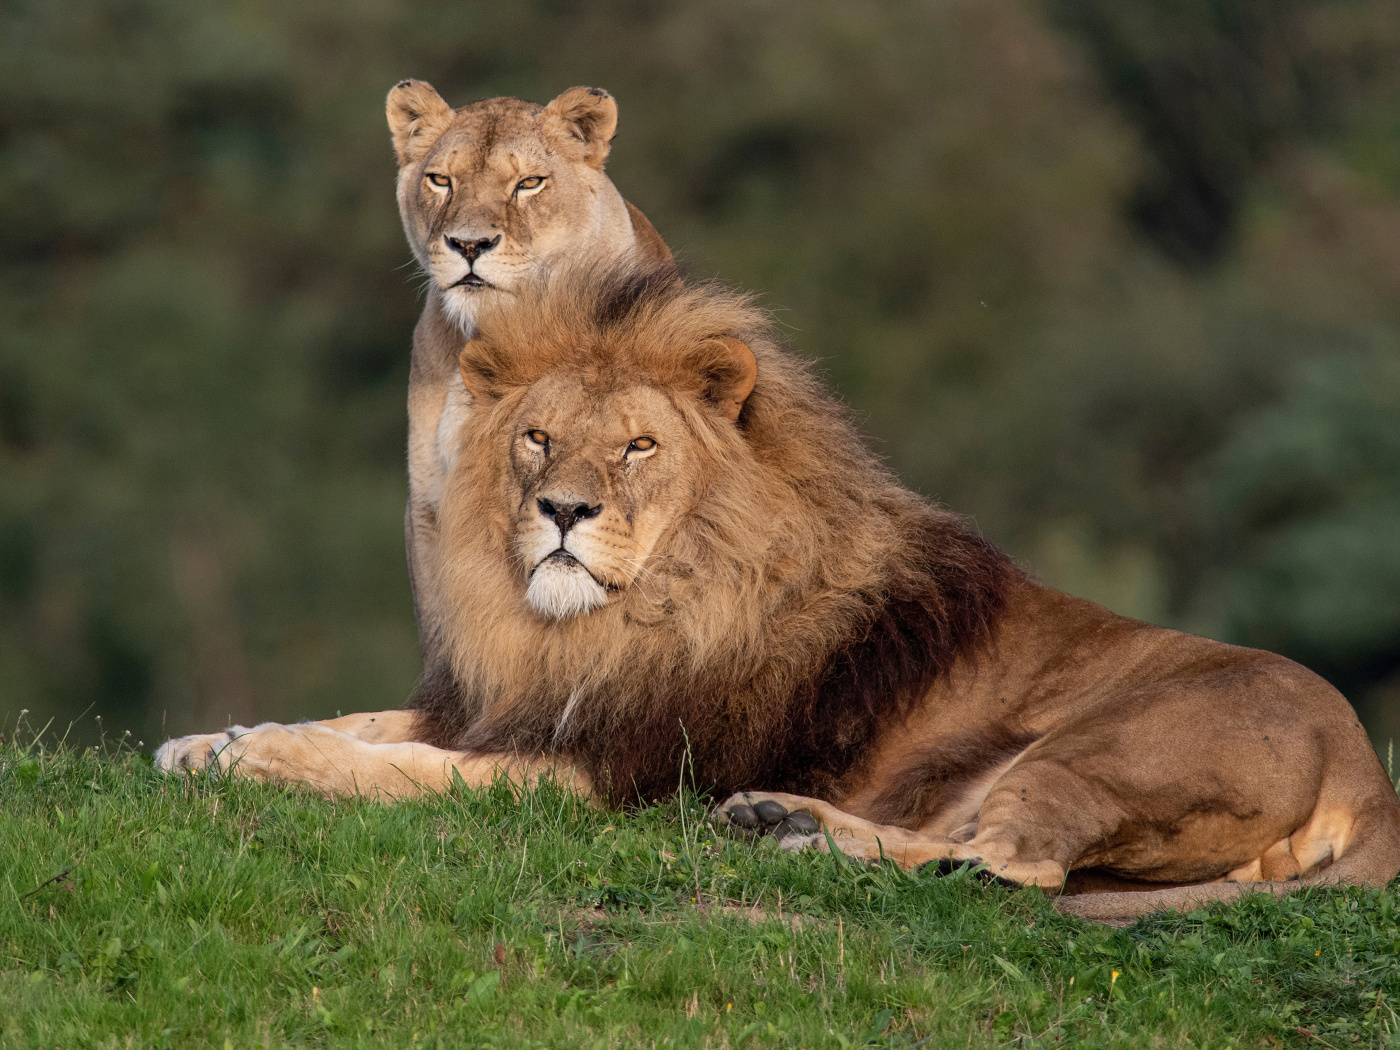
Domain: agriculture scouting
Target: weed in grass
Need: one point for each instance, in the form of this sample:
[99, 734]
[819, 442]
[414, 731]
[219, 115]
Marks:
[213, 911]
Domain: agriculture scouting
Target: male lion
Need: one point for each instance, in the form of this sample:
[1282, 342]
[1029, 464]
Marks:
[491, 195]
[664, 536]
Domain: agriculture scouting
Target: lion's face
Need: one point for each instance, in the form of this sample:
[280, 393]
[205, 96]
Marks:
[593, 466]
[595, 482]
[494, 193]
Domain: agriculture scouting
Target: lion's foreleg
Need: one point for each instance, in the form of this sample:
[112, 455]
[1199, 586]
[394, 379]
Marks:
[523, 771]
[316, 755]
[336, 763]
[376, 727]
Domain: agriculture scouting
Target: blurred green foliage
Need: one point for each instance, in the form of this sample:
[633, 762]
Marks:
[1120, 278]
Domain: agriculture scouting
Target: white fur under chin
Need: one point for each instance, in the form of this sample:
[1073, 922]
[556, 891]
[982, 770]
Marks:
[559, 590]
[461, 306]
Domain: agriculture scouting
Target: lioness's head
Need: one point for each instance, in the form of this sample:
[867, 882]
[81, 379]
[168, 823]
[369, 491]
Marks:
[494, 193]
[601, 442]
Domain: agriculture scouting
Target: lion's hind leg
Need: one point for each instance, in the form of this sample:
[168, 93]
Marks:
[1121, 790]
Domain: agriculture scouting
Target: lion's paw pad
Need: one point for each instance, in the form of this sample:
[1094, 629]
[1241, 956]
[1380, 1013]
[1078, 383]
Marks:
[742, 816]
[770, 812]
[770, 818]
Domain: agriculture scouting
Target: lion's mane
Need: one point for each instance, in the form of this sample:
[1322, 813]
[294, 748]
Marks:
[805, 601]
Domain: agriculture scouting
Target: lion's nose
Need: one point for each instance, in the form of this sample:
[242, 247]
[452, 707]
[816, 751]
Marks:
[564, 513]
[471, 250]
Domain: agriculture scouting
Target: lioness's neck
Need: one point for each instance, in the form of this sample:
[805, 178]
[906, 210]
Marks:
[437, 341]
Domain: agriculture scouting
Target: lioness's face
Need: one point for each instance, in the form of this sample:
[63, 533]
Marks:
[597, 480]
[486, 210]
[493, 194]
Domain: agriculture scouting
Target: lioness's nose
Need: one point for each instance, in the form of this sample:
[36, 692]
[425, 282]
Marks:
[470, 250]
[565, 514]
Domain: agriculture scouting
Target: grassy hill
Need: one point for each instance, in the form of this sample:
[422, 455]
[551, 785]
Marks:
[141, 911]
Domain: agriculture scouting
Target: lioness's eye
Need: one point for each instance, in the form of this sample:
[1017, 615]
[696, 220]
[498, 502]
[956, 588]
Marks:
[531, 183]
[537, 438]
[440, 180]
[638, 447]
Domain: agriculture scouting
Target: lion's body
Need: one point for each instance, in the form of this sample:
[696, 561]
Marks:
[1129, 757]
[638, 573]
[576, 215]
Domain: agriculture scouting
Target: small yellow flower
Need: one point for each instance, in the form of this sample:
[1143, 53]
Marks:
[1317, 953]
[1114, 979]
[728, 1007]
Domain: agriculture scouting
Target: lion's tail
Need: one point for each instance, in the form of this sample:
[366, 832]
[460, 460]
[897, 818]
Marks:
[1372, 859]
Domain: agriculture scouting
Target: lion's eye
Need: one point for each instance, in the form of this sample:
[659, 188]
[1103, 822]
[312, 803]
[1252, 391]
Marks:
[537, 438]
[639, 448]
[525, 185]
[440, 181]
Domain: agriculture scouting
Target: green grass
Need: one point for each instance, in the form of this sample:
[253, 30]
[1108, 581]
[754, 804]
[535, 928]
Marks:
[140, 911]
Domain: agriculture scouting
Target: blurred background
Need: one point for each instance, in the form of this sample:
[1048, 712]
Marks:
[1118, 278]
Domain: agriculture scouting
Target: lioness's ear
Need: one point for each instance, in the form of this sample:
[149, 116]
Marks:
[417, 116]
[728, 370]
[589, 117]
[479, 370]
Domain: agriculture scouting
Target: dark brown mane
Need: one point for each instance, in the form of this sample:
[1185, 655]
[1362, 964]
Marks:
[945, 612]
[631, 290]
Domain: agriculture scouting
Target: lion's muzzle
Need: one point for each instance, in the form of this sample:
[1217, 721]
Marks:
[561, 584]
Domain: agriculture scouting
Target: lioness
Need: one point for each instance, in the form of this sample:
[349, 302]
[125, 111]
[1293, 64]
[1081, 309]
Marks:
[663, 535]
[491, 195]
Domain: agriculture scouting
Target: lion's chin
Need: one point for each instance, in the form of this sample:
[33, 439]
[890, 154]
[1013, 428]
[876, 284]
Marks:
[561, 587]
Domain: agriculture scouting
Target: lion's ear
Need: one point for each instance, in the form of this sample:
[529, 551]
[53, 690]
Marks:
[728, 371]
[589, 117]
[417, 116]
[479, 371]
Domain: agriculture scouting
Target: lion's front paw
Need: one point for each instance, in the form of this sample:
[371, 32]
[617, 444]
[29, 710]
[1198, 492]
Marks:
[199, 751]
[795, 829]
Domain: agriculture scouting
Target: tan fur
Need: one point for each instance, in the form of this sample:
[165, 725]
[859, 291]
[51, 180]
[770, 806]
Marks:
[773, 609]
[1172, 770]
[335, 762]
[485, 150]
